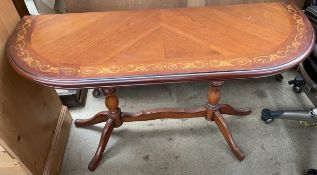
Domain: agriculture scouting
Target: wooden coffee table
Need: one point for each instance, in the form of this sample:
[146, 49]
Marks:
[126, 48]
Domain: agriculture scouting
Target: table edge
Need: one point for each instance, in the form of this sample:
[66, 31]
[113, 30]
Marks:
[162, 79]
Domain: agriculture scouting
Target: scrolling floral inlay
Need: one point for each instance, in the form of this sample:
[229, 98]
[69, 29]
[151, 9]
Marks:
[25, 55]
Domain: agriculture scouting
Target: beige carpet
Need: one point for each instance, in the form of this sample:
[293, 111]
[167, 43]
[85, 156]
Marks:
[195, 146]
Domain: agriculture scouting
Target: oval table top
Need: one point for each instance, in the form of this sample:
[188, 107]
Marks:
[121, 48]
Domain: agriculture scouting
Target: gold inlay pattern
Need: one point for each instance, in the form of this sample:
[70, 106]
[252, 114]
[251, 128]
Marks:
[24, 54]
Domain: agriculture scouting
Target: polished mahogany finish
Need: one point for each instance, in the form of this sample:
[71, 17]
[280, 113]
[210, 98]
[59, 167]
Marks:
[123, 48]
[114, 118]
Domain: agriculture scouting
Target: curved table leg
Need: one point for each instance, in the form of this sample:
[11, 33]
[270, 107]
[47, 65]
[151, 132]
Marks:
[114, 118]
[107, 130]
[222, 125]
[98, 118]
[228, 109]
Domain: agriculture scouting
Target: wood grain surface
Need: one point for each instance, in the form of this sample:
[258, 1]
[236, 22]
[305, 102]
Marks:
[122, 48]
[9, 165]
[29, 114]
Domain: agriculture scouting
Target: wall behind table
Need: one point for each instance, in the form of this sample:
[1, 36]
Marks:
[29, 113]
[106, 5]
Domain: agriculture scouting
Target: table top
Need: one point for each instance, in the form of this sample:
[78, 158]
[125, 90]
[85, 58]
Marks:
[121, 48]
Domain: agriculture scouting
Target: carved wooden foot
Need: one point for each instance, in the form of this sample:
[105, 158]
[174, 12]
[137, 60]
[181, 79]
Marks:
[98, 118]
[222, 125]
[114, 120]
[107, 130]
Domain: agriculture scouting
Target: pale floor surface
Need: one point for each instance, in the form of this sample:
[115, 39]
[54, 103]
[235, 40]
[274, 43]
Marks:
[195, 146]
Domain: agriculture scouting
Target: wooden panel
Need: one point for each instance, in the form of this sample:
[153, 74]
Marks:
[9, 165]
[58, 144]
[29, 113]
[7, 24]
[106, 5]
[234, 41]
[27, 131]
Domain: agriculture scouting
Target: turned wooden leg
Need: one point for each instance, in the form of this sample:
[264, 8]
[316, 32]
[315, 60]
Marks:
[222, 125]
[213, 114]
[228, 109]
[112, 103]
[213, 98]
[114, 118]
[114, 121]
[107, 130]
[98, 118]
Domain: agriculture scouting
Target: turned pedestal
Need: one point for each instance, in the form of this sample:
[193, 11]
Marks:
[114, 118]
